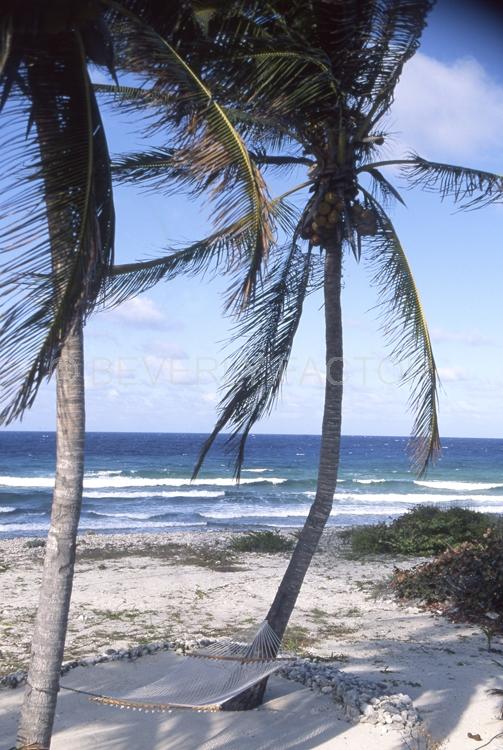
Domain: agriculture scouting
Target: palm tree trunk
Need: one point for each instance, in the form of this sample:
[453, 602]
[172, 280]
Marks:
[48, 642]
[37, 715]
[289, 588]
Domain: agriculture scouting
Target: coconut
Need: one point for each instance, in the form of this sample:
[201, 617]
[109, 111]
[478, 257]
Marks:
[367, 224]
[366, 215]
[320, 220]
[367, 229]
[333, 218]
[357, 211]
[315, 240]
[330, 197]
[324, 208]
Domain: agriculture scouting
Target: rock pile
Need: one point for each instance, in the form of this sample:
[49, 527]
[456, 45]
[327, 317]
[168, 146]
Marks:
[360, 700]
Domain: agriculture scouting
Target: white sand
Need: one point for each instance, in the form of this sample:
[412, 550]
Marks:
[444, 667]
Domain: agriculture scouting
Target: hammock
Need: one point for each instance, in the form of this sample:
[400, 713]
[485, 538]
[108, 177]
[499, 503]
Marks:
[205, 679]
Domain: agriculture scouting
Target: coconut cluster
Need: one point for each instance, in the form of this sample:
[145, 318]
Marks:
[323, 218]
[363, 220]
[326, 213]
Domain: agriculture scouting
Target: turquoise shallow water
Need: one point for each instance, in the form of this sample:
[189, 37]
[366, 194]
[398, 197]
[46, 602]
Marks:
[141, 481]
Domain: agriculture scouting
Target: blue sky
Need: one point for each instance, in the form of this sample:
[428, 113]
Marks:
[156, 363]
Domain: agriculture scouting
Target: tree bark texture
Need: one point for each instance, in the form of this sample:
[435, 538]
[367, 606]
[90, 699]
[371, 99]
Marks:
[290, 586]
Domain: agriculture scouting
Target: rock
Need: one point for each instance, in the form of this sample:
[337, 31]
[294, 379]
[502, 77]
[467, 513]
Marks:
[367, 709]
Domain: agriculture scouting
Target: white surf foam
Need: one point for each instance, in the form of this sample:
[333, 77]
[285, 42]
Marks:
[135, 516]
[411, 498]
[257, 512]
[26, 481]
[256, 471]
[370, 481]
[98, 524]
[93, 482]
[97, 494]
[459, 486]
[12, 527]
[7, 509]
[103, 473]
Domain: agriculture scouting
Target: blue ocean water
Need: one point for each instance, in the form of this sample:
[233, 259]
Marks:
[141, 481]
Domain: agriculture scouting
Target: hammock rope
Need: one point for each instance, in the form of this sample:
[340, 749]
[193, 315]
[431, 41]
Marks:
[205, 679]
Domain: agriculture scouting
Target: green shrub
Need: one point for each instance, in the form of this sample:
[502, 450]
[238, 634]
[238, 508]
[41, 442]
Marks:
[424, 530]
[465, 582]
[262, 541]
[32, 543]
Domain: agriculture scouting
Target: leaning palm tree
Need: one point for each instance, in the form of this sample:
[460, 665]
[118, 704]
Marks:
[57, 229]
[361, 49]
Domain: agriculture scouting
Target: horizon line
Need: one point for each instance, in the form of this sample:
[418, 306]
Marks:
[254, 434]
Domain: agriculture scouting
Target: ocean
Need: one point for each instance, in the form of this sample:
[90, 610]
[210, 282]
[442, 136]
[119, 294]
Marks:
[141, 481]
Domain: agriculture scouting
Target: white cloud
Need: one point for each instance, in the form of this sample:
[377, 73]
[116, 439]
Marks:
[452, 374]
[169, 349]
[140, 312]
[469, 338]
[454, 109]
[162, 371]
[210, 397]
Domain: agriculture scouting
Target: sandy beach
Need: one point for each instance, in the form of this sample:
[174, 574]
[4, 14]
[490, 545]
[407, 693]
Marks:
[147, 588]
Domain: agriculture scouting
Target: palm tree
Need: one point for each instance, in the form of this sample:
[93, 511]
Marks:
[359, 51]
[57, 234]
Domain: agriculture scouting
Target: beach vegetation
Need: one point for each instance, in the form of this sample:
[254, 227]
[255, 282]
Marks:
[420, 738]
[464, 582]
[424, 530]
[267, 542]
[218, 558]
[335, 630]
[297, 638]
[35, 543]
[317, 659]
[318, 615]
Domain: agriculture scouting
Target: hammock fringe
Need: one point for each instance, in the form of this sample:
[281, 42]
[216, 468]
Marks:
[207, 678]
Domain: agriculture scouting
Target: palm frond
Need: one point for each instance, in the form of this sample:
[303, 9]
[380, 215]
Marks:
[404, 325]
[284, 162]
[224, 251]
[394, 36]
[162, 169]
[5, 42]
[208, 146]
[255, 371]
[281, 82]
[132, 93]
[154, 169]
[127, 280]
[383, 186]
[365, 44]
[56, 215]
[471, 188]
